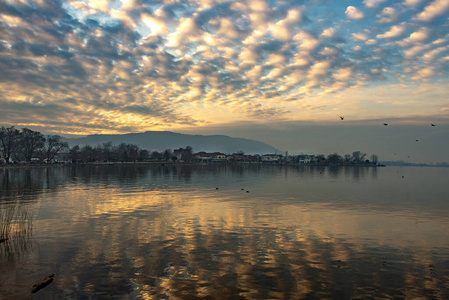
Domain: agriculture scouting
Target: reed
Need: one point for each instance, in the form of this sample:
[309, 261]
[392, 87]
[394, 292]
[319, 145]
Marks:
[15, 220]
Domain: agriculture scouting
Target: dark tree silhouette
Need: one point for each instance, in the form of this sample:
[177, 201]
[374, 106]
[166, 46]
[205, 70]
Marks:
[108, 151]
[10, 139]
[168, 154]
[358, 157]
[143, 155]
[53, 146]
[334, 158]
[74, 154]
[31, 142]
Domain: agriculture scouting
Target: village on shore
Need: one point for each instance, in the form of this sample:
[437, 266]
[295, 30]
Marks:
[27, 147]
[187, 156]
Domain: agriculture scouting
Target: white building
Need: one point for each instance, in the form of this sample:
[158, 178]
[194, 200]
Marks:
[271, 158]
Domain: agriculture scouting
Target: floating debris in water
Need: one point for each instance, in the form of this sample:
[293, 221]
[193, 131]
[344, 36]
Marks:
[47, 280]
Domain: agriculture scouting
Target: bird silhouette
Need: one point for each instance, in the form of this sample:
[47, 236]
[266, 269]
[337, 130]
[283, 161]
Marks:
[385, 124]
[433, 125]
[342, 118]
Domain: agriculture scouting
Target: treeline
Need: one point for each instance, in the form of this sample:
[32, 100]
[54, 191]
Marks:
[123, 152]
[357, 157]
[26, 145]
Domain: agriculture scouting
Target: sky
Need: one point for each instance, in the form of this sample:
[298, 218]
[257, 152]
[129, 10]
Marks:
[281, 72]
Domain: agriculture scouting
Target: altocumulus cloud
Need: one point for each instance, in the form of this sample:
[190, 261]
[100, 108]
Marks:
[118, 66]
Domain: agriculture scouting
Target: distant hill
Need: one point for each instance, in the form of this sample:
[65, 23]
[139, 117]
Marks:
[161, 140]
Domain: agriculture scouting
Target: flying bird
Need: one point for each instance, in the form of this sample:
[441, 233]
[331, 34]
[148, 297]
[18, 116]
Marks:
[385, 124]
[342, 118]
[433, 125]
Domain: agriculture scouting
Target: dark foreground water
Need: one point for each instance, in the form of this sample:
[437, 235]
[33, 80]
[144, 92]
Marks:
[225, 232]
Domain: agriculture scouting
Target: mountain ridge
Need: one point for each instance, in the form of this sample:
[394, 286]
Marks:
[161, 140]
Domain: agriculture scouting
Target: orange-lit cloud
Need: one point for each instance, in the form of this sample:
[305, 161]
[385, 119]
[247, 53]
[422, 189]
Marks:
[100, 66]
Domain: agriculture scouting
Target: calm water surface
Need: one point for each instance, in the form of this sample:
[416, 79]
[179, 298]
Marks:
[225, 232]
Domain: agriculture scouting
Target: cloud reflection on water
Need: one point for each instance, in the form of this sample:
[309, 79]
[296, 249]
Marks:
[150, 233]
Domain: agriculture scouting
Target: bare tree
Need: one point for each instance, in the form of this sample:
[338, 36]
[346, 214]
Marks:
[31, 142]
[358, 157]
[128, 152]
[133, 152]
[168, 154]
[107, 151]
[9, 141]
[87, 153]
[334, 158]
[155, 155]
[74, 153]
[53, 146]
[122, 152]
[348, 158]
[143, 155]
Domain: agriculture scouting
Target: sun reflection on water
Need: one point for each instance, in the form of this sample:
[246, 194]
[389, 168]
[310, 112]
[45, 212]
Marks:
[129, 233]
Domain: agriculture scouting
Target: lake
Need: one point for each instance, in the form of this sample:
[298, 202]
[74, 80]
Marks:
[225, 232]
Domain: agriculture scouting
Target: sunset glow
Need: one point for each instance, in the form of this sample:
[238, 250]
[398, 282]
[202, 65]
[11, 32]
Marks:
[84, 67]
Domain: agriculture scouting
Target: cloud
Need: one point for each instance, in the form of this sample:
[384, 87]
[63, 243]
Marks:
[249, 55]
[361, 36]
[156, 25]
[228, 29]
[433, 54]
[424, 73]
[332, 34]
[276, 59]
[395, 31]
[258, 5]
[307, 41]
[344, 74]
[388, 15]
[319, 69]
[187, 31]
[131, 65]
[435, 9]
[354, 13]
[373, 3]
[412, 2]
[418, 36]
[413, 51]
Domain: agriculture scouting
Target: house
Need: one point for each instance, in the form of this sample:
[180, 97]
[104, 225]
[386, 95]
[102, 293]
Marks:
[202, 157]
[271, 158]
[210, 157]
[218, 157]
[238, 157]
[301, 158]
[61, 157]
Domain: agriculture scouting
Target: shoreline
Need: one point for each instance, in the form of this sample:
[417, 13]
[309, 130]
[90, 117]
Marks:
[52, 165]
